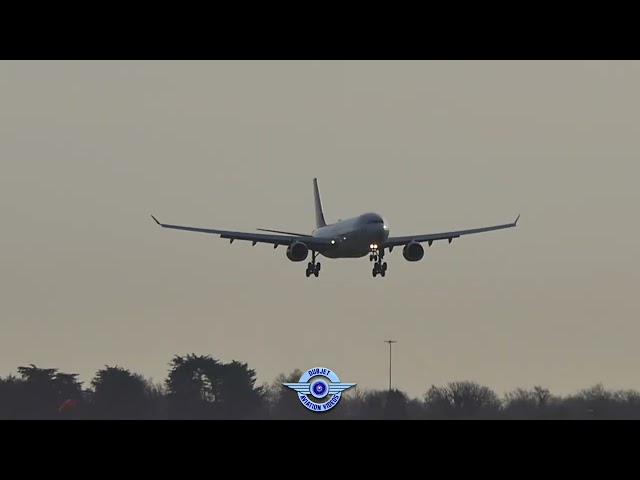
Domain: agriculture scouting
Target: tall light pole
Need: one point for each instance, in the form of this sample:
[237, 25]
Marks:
[390, 342]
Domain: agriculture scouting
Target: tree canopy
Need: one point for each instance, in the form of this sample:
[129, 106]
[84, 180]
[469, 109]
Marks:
[203, 387]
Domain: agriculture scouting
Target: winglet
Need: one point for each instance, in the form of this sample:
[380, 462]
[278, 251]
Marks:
[156, 220]
[516, 221]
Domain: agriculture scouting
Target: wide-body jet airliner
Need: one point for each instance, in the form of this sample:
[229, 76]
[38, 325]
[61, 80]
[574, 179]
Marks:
[357, 237]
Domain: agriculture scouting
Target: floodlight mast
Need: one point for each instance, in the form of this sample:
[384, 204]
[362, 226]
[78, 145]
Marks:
[390, 342]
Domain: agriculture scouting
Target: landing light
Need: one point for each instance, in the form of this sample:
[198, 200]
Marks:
[333, 242]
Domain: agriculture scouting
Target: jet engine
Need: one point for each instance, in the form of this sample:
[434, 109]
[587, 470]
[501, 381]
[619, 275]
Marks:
[413, 252]
[297, 252]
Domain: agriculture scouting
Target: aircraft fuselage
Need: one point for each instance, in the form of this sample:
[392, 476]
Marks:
[354, 236]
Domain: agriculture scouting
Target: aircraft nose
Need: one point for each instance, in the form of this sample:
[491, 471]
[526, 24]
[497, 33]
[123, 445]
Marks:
[384, 233]
[380, 232]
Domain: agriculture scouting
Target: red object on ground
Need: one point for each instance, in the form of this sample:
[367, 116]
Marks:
[70, 403]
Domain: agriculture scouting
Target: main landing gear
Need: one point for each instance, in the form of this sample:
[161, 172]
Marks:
[313, 267]
[379, 267]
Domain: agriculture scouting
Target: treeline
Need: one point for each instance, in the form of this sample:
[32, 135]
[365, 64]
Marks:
[201, 387]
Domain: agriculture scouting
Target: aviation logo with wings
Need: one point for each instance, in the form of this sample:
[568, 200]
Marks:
[319, 383]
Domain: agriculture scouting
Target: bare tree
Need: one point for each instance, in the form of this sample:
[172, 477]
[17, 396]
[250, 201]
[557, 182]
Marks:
[462, 400]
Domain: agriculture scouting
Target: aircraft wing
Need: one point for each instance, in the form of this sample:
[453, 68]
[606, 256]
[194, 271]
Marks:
[430, 237]
[275, 240]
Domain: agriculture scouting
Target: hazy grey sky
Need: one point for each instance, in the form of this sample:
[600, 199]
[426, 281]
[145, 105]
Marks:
[89, 149]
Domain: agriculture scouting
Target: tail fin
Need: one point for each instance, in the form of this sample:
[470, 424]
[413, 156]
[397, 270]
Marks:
[320, 222]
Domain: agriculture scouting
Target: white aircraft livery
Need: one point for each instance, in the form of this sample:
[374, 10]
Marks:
[357, 237]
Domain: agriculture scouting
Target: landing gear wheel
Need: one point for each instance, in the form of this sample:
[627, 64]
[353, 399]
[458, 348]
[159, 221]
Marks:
[379, 268]
[313, 267]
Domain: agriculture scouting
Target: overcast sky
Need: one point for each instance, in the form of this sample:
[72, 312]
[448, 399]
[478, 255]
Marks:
[88, 150]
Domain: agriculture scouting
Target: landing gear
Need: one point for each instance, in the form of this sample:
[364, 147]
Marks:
[379, 267]
[375, 254]
[313, 267]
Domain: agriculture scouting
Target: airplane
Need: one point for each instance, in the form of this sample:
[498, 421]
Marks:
[357, 237]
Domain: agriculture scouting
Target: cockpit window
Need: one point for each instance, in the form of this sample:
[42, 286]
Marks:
[375, 221]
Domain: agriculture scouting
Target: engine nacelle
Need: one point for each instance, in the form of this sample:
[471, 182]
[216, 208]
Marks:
[297, 252]
[413, 252]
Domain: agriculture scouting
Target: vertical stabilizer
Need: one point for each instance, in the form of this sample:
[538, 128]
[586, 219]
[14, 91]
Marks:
[320, 222]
